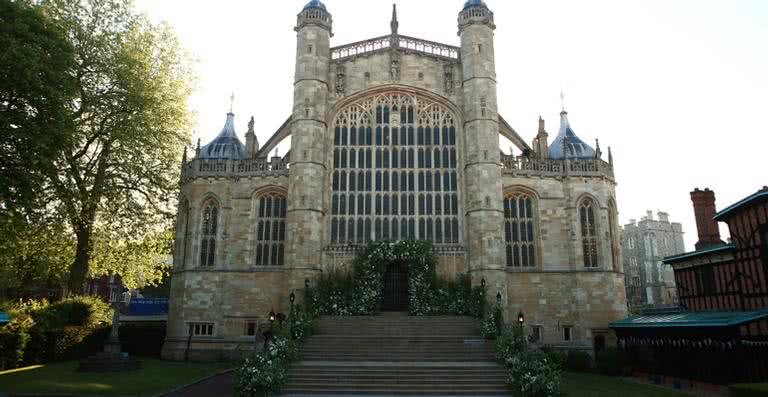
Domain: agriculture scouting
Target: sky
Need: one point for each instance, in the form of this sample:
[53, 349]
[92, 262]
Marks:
[677, 88]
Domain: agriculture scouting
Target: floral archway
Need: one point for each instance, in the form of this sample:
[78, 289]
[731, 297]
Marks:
[360, 291]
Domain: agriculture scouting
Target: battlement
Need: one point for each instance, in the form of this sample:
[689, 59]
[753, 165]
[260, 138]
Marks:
[524, 166]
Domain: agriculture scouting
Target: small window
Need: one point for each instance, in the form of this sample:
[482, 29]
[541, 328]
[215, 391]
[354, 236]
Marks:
[201, 329]
[250, 327]
[567, 334]
[309, 49]
[536, 334]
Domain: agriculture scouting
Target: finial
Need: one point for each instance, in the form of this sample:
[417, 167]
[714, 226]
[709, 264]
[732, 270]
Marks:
[394, 24]
[250, 126]
[232, 102]
[541, 125]
[197, 149]
[610, 156]
[184, 155]
[598, 153]
[562, 100]
[277, 152]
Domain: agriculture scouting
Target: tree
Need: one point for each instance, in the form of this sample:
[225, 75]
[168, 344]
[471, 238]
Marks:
[36, 88]
[115, 180]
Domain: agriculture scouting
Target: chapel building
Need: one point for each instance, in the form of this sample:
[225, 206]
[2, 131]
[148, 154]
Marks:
[395, 138]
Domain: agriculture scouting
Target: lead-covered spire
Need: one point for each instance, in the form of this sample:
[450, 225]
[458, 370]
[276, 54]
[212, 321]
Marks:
[567, 144]
[226, 145]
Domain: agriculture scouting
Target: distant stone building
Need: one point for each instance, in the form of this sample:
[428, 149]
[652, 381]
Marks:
[644, 245]
[394, 138]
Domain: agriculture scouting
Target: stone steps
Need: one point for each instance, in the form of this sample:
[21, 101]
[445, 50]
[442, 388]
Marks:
[396, 354]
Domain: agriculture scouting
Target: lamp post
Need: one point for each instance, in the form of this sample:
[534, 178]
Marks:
[292, 298]
[498, 297]
[520, 318]
[306, 283]
[268, 333]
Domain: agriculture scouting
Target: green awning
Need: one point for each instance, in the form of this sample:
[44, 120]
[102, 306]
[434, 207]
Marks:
[690, 319]
[4, 318]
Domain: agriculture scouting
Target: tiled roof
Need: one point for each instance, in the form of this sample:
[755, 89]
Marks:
[759, 195]
[690, 319]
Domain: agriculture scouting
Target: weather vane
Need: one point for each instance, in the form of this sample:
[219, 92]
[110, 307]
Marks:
[562, 100]
[231, 102]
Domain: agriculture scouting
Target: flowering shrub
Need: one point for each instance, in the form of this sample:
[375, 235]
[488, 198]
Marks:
[530, 373]
[265, 372]
[491, 323]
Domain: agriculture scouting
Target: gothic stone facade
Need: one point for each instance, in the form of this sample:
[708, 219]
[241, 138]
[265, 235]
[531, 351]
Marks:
[394, 138]
[644, 245]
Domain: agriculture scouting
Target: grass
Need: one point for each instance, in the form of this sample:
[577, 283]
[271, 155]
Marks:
[155, 376]
[580, 384]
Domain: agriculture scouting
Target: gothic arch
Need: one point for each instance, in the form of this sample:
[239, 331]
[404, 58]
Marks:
[587, 211]
[522, 227]
[406, 193]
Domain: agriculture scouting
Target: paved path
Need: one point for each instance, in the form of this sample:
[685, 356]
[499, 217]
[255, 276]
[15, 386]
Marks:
[216, 386]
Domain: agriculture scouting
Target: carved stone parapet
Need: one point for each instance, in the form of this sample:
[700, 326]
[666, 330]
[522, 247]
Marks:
[400, 43]
[524, 166]
[348, 250]
[199, 168]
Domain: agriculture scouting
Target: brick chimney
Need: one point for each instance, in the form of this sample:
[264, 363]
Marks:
[704, 210]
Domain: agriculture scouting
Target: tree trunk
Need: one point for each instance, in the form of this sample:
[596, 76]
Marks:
[78, 271]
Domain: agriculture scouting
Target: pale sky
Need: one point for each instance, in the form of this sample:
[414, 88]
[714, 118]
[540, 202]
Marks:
[677, 88]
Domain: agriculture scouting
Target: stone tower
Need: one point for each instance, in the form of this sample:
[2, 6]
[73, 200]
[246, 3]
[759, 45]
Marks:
[482, 172]
[308, 145]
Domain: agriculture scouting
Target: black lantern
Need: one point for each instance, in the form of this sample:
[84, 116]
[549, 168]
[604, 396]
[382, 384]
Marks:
[271, 317]
[520, 318]
[292, 297]
[306, 283]
[482, 283]
[498, 297]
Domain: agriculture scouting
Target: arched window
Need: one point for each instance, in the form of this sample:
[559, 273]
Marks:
[210, 221]
[396, 182]
[270, 229]
[588, 232]
[520, 230]
[183, 235]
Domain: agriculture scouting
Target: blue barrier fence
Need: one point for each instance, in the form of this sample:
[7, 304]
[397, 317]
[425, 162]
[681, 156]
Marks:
[148, 306]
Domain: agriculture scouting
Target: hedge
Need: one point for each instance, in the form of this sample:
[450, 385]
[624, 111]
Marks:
[749, 390]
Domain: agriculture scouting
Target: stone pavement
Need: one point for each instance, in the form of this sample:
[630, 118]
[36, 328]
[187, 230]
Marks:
[216, 386]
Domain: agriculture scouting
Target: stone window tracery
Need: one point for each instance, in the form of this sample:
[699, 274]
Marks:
[588, 232]
[406, 188]
[519, 230]
[208, 228]
[270, 229]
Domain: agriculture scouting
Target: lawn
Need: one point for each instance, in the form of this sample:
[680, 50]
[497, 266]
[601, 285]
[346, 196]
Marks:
[589, 385]
[155, 376]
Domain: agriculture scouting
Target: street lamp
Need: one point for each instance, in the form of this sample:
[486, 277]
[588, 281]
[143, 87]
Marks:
[292, 298]
[520, 318]
[271, 317]
[306, 283]
[482, 283]
[498, 297]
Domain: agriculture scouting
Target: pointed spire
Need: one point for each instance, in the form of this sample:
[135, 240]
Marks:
[541, 125]
[610, 156]
[184, 155]
[197, 149]
[394, 24]
[562, 101]
[598, 152]
[231, 102]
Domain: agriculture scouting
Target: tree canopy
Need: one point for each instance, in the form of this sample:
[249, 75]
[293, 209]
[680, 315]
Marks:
[112, 178]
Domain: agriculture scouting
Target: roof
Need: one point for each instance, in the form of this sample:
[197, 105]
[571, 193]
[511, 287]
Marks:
[567, 144]
[474, 3]
[226, 145]
[315, 4]
[761, 194]
[692, 254]
[690, 319]
[4, 318]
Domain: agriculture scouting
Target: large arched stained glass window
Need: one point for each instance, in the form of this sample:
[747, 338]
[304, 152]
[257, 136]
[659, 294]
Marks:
[209, 227]
[270, 230]
[520, 230]
[394, 172]
[588, 232]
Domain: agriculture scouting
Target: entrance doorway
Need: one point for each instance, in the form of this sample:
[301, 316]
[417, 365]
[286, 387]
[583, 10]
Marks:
[395, 287]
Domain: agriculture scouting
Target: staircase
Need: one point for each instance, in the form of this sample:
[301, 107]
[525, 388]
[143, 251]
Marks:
[396, 354]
